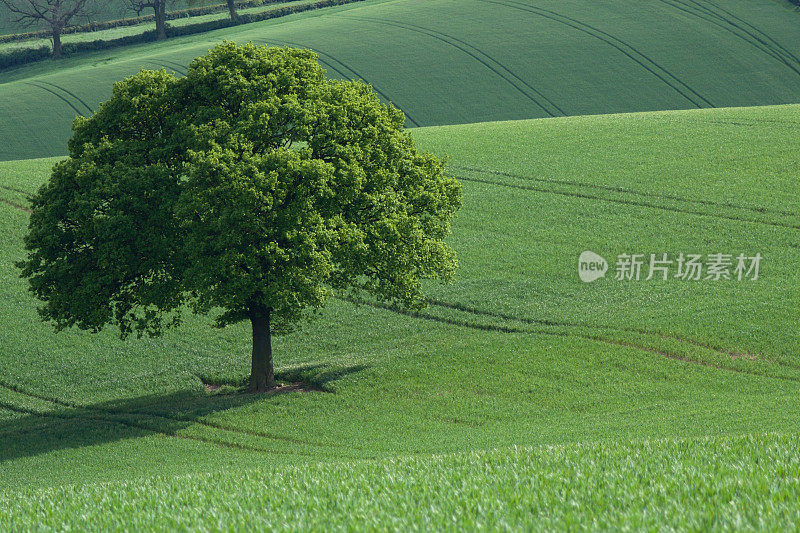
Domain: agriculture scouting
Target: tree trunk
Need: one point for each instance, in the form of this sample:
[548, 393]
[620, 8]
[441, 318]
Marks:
[56, 42]
[161, 20]
[232, 9]
[262, 375]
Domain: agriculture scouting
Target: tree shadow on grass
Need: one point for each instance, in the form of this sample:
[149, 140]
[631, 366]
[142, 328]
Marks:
[318, 376]
[308, 377]
[43, 424]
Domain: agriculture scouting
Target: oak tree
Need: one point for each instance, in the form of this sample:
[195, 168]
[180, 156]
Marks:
[55, 14]
[252, 189]
[235, 18]
[159, 8]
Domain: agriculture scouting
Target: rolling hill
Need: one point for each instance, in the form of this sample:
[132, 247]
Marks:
[521, 397]
[516, 352]
[446, 62]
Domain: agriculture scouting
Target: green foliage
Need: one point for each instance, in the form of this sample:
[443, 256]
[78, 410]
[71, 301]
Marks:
[251, 184]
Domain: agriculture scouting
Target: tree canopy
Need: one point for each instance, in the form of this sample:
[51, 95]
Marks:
[253, 188]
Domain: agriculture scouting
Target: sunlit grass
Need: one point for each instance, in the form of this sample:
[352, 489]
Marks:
[517, 351]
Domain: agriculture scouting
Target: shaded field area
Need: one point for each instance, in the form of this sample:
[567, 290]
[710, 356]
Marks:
[517, 351]
[448, 62]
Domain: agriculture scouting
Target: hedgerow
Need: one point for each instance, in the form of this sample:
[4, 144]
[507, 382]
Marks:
[135, 21]
[29, 55]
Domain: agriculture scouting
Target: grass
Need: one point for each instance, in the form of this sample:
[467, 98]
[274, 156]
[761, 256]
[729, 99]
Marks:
[521, 398]
[632, 404]
[449, 62]
[744, 483]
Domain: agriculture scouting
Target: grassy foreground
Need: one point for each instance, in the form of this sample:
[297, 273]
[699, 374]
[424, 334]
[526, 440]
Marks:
[516, 352]
[446, 62]
[744, 483]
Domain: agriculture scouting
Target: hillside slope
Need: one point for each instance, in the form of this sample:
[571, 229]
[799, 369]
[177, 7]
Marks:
[517, 351]
[446, 62]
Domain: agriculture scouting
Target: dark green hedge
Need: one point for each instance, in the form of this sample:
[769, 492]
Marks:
[29, 55]
[23, 55]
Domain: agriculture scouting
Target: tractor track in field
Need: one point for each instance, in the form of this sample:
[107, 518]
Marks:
[722, 24]
[345, 65]
[135, 425]
[751, 124]
[511, 72]
[507, 329]
[657, 70]
[60, 97]
[630, 202]
[356, 74]
[753, 209]
[178, 67]
[333, 67]
[231, 429]
[770, 47]
[17, 206]
[754, 28]
[553, 323]
[639, 331]
[27, 194]
[444, 38]
[155, 416]
[165, 66]
[70, 93]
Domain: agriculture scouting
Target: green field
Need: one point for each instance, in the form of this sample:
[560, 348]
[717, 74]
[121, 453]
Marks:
[520, 398]
[446, 62]
[722, 483]
[398, 411]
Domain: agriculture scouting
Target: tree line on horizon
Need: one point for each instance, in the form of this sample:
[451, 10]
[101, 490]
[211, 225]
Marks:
[56, 15]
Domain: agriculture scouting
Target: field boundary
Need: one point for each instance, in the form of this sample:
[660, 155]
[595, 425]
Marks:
[25, 56]
[92, 27]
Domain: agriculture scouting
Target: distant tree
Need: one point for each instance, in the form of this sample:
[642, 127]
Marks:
[253, 188]
[55, 14]
[159, 8]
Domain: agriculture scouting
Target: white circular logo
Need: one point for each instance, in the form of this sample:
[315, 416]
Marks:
[591, 266]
